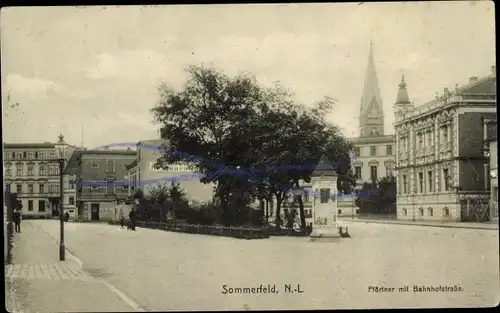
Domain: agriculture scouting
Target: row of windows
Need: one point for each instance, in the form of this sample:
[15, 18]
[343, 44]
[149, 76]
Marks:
[430, 182]
[50, 170]
[426, 139]
[373, 172]
[430, 212]
[373, 151]
[35, 188]
[110, 165]
[29, 155]
[42, 204]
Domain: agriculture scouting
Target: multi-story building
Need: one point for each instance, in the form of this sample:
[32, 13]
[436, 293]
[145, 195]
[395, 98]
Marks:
[101, 180]
[32, 171]
[441, 167]
[143, 174]
[69, 184]
[374, 149]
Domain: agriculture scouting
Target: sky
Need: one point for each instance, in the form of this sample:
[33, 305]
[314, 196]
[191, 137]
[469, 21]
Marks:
[100, 66]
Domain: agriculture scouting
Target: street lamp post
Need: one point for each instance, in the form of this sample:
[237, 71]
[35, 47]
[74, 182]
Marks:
[60, 154]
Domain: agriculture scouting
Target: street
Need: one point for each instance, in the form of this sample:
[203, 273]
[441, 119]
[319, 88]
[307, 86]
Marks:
[173, 271]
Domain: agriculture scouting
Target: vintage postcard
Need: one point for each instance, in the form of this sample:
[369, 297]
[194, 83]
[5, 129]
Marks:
[250, 157]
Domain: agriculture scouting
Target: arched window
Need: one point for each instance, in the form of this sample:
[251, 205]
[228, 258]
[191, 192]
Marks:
[374, 132]
[421, 212]
[405, 212]
[430, 212]
[446, 212]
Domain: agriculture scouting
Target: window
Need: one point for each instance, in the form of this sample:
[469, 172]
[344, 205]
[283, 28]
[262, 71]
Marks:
[71, 184]
[7, 187]
[36, 154]
[24, 155]
[30, 170]
[41, 205]
[30, 155]
[429, 139]
[430, 212]
[71, 200]
[430, 180]
[421, 211]
[373, 172]
[52, 155]
[405, 185]
[373, 150]
[110, 166]
[374, 132]
[324, 195]
[19, 188]
[30, 205]
[446, 212]
[41, 155]
[42, 170]
[339, 212]
[389, 149]
[94, 187]
[19, 170]
[357, 172]
[13, 155]
[487, 177]
[124, 187]
[20, 156]
[8, 170]
[94, 164]
[41, 188]
[495, 194]
[420, 140]
[421, 182]
[110, 186]
[6, 156]
[357, 151]
[444, 133]
[388, 170]
[30, 188]
[306, 196]
[405, 212]
[446, 179]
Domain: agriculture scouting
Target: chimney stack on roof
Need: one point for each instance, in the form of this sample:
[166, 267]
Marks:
[473, 79]
[446, 91]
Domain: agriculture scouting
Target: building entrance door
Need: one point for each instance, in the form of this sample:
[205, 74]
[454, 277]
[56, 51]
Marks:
[94, 211]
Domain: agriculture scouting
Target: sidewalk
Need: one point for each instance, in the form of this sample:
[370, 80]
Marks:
[485, 226]
[38, 282]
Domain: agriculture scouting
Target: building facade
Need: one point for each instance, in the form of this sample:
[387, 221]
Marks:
[441, 167]
[32, 171]
[493, 172]
[69, 184]
[144, 175]
[101, 180]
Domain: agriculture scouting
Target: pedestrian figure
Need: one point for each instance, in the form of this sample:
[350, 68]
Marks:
[132, 218]
[122, 218]
[17, 221]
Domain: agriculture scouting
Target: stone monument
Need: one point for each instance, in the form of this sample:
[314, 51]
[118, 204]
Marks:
[324, 185]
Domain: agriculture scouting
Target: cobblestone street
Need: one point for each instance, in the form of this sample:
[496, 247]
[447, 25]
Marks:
[172, 271]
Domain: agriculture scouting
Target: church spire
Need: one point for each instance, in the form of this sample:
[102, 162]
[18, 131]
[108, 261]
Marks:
[402, 97]
[371, 110]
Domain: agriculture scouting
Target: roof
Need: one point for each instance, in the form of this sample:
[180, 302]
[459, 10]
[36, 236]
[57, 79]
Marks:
[28, 145]
[72, 165]
[373, 139]
[324, 168]
[107, 152]
[402, 97]
[371, 92]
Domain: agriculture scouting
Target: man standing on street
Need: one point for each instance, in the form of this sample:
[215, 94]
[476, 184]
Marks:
[132, 218]
[17, 221]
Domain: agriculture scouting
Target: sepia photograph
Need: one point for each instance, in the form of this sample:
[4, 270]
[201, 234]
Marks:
[237, 157]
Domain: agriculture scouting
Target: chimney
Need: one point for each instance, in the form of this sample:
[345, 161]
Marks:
[446, 91]
[473, 79]
[493, 69]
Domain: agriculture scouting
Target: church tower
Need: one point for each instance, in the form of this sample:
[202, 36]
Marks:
[371, 118]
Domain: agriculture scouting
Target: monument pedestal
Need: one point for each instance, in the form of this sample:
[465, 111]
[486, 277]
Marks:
[325, 234]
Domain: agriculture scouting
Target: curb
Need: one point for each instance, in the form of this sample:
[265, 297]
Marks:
[423, 225]
[134, 305]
